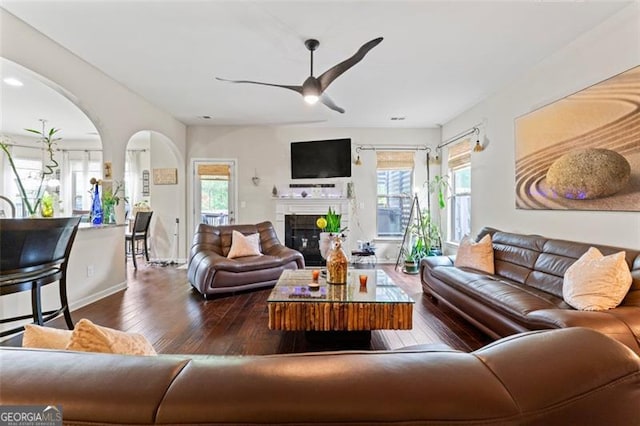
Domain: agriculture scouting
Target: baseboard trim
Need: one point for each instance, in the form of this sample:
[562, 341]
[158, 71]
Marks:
[97, 296]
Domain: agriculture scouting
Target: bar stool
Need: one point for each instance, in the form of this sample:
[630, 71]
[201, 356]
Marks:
[140, 232]
[35, 252]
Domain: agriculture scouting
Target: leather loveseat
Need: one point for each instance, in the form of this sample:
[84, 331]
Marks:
[211, 272]
[529, 379]
[525, 293]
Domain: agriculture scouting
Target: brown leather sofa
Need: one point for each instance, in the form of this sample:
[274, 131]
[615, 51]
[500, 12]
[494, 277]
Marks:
[211, 272]
[526, 291]
[530, 379]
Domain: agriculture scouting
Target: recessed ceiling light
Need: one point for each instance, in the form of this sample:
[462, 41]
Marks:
[13, 82]
[92, 133]
[206, 117]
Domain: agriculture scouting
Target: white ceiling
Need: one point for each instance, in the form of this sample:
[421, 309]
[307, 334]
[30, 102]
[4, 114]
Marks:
[437, 58]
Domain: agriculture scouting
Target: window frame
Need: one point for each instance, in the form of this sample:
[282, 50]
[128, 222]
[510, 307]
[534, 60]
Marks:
[402, 196]
[455, 194]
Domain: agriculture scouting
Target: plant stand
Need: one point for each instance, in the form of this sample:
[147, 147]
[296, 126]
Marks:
[415, 214]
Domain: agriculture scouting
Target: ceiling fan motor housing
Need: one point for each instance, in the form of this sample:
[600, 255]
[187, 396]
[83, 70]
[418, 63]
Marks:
[311, 87]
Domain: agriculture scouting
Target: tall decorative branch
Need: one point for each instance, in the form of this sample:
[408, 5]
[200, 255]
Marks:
[48, 139]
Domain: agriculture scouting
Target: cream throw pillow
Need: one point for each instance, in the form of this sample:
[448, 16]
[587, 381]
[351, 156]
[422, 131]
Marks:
[596, 282]
[88, 337]
[244, 245]
[36, 336]
[476, 255]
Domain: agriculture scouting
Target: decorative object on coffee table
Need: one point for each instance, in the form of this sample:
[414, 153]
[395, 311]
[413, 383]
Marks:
[337, 263]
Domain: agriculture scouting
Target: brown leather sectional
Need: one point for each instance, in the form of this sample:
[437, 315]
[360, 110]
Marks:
[211, 272]
[526, 291]
[530, 379]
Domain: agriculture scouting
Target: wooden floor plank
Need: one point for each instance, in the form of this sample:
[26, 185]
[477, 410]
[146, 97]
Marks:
[161, 304]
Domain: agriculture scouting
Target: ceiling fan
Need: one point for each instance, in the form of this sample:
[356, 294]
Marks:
[313, 89]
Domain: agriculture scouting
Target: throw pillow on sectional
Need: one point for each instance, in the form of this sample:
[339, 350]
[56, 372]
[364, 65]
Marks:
[595, 282]
[476, 255]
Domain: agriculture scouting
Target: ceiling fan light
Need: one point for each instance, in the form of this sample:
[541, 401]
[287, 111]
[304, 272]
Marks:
[311, 99]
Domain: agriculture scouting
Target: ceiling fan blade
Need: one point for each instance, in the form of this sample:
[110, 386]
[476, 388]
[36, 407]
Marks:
[297, 89]
[332, 73]
[329, 103]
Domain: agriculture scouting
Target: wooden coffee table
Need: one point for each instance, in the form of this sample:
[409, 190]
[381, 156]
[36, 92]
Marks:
[293, 305]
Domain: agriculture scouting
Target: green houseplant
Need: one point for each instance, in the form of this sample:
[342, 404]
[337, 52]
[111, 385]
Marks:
[32, 203]
[329, 226]
[111, 198]
[440, 187]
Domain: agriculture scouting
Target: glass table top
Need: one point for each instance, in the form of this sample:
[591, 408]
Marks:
[294, 286]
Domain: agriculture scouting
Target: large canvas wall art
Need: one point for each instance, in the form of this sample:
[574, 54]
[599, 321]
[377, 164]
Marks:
[582, 152]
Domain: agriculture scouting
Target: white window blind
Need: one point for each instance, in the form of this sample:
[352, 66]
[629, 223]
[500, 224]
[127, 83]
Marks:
[459, 154]
[394, 160]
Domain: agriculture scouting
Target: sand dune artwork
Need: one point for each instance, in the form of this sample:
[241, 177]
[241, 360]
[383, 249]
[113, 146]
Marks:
[582, 152]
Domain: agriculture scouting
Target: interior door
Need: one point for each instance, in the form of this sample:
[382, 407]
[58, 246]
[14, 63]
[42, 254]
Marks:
[215, 191]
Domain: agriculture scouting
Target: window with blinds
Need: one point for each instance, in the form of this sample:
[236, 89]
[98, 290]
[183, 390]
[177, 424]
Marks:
[214, 171]
[459, 165]
[214, 192]
[394, 185]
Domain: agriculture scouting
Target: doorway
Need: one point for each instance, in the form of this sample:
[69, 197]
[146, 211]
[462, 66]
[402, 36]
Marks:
[214, 183]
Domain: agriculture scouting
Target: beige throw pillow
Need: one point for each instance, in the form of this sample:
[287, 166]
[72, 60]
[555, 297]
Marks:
[244, 245]
[36, 336]
[88, 337]
[596, 282]
[476, 255]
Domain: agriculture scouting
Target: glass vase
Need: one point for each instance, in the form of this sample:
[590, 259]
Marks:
[96, 208]
[108, 213]
[46, 205]
[337, 263]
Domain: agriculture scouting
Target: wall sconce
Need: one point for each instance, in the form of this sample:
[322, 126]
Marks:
[435, 159]
[255, 179]
[478, 146]
[358, 162]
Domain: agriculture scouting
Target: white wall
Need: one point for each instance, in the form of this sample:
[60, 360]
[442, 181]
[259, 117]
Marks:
[163, 202]
[267, 151]
[608, 49]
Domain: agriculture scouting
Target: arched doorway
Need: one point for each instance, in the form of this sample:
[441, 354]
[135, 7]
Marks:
[31, 102]
[152, 183]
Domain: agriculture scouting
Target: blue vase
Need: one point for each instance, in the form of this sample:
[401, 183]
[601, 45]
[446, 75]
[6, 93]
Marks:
[96, 208]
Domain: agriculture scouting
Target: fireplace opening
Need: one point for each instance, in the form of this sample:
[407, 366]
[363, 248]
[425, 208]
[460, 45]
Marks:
[302, 234]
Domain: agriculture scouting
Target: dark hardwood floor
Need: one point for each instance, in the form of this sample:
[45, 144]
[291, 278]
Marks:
[161, 305]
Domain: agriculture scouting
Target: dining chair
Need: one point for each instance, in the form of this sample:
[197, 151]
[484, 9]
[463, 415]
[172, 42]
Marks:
[140, 232]
[35, 253]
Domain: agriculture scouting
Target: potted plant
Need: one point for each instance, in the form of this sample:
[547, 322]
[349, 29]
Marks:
[110, 199]
[329, 226]
[439, 186]
[32, 202]
[414, 256]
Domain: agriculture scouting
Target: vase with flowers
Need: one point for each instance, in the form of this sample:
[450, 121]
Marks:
[32, 199]
[110, 199]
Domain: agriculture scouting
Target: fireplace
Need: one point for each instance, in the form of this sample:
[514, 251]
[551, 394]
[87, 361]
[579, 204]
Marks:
[296, 217]
[302, 234]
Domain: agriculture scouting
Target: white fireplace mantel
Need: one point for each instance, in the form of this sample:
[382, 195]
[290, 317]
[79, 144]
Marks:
[309, 206]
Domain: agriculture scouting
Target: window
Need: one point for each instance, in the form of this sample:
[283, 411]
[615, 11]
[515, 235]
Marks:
[394, 184]
[459, 165]
[82, 170]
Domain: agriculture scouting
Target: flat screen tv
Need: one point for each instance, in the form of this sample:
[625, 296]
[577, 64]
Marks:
[321, 159]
